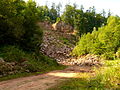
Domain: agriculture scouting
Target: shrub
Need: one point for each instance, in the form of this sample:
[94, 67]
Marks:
[118, 53]
[12, 53]
[107, 77]
[105, 41]
[18, 61]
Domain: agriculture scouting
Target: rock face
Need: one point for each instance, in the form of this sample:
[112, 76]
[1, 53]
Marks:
[62, 27]
[55, 48]
[1, 60]
[58, 26]
[46, 25]
[8, 68]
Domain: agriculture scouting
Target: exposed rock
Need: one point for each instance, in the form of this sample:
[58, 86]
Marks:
[55, 48]
[62, 27]
[8, 68]
[1, 60]
[46, 24]
[86, 60]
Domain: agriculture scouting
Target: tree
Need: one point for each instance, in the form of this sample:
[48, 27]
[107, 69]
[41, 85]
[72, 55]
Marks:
[69, 14]
[58, 8]
[103, 13]
[83, 21]
[18, 24]
[109, 13]
[104, 42]
[53, 13]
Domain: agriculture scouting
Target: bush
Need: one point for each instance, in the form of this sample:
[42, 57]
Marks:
[107, 77]
[105, 41]
[108, 56]
[12, 54]
[118, 53]
[15, 61]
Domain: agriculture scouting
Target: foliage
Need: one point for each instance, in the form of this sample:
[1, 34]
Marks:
[105, 41]
[24, 62]
[118, 53]
[107, 77]
[20, 37]
[18, 24]
[68, 15]
[83, 21]
[49, 14]
[12, 54]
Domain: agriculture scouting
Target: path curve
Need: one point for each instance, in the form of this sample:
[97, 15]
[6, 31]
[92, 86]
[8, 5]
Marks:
[43, 81]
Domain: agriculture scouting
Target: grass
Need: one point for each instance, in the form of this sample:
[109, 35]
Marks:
[35, 63]
[25, 74]
[106, 78]
[65, 40]
[44, 69]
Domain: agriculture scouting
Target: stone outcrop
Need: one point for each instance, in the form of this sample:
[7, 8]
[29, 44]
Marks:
[62, 27]
[46, 25]
[55, 48]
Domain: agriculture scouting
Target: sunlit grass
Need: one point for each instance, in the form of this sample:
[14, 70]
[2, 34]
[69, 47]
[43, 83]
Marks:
[109, 75]
[106, 78]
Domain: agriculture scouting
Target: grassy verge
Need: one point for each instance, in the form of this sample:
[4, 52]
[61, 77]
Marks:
[18, 63]
[106, 78]
[25, 74]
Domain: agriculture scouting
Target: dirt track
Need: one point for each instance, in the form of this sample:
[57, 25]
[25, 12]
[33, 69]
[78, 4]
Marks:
[43, 81]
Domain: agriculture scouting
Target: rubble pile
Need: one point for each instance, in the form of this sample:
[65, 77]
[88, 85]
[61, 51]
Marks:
[86, 60]
[10, 68]
[53, 47]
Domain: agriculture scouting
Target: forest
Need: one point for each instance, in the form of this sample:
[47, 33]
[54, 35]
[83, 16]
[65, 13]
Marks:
[28, 47]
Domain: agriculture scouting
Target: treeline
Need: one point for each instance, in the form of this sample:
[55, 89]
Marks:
[104, 42]
[18, 21]
[82, 20]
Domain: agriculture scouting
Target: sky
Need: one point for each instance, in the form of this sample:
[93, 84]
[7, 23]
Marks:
[113, 5]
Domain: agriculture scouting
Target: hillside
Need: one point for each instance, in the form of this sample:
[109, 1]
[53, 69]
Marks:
[56, 44]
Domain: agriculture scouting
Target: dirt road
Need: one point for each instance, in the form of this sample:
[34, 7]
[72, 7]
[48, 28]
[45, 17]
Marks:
[43, 81]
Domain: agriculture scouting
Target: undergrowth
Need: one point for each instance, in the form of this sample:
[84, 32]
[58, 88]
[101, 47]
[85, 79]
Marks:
[26, 63]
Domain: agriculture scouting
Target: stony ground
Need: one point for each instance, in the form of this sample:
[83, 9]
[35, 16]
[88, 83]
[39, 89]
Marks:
[44, 81]
[56, 44]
